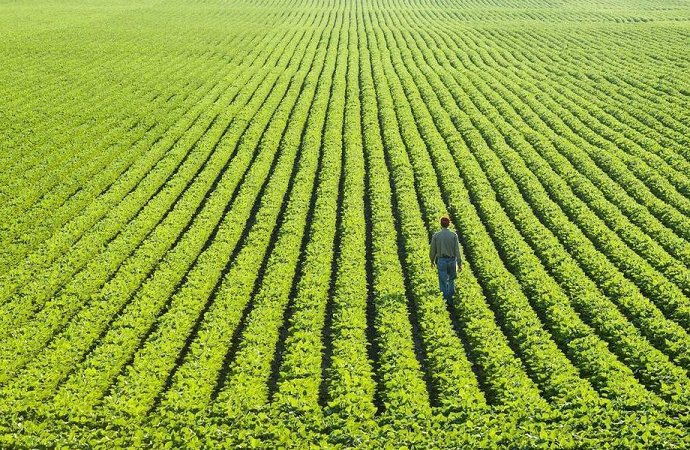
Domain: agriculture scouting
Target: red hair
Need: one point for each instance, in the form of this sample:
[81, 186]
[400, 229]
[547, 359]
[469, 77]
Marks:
[445, 221]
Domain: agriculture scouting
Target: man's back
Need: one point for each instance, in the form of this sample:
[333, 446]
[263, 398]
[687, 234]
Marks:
[444, 244]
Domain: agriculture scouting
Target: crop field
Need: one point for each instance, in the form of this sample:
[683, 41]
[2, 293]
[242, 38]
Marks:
[215, 221]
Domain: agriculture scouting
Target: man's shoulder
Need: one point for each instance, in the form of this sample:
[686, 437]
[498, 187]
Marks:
[450, 234]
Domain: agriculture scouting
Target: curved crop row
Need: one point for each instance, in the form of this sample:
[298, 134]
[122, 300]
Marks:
[668, 335]
[246, 385]
[501, 372]
[68, 198]
[350, 386]
[139, 312]
[515, 312]
[157, 227]
[196, 380]
[150, 333]
[454, 382]
[299, 367]
[403, 390]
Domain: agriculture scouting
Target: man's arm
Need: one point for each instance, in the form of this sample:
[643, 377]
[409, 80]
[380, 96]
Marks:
[458, 255]
[432, 250]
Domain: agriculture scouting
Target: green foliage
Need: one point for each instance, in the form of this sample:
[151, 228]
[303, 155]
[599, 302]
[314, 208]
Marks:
[214, 224]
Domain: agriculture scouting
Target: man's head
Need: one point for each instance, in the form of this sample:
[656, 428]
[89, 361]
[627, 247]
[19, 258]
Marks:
[445, 222]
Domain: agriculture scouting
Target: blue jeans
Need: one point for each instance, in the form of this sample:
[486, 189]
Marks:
[446, 277]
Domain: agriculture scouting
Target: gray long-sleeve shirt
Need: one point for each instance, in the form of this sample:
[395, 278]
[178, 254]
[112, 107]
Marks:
[445, 244]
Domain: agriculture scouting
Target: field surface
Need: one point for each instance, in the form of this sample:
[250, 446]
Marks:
[215, 216]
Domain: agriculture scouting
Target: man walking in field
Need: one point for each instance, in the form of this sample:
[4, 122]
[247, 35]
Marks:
[445, 255]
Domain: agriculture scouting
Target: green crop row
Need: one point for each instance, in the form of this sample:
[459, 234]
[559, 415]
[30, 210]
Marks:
[215, 222]
[566, 271]
[452, 377]
[168, 209]
[159, 320]
[351, 388]
[153, 293]
[246, 385]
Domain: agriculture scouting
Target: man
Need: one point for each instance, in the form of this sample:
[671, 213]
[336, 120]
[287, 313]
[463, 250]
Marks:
[445, 255]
